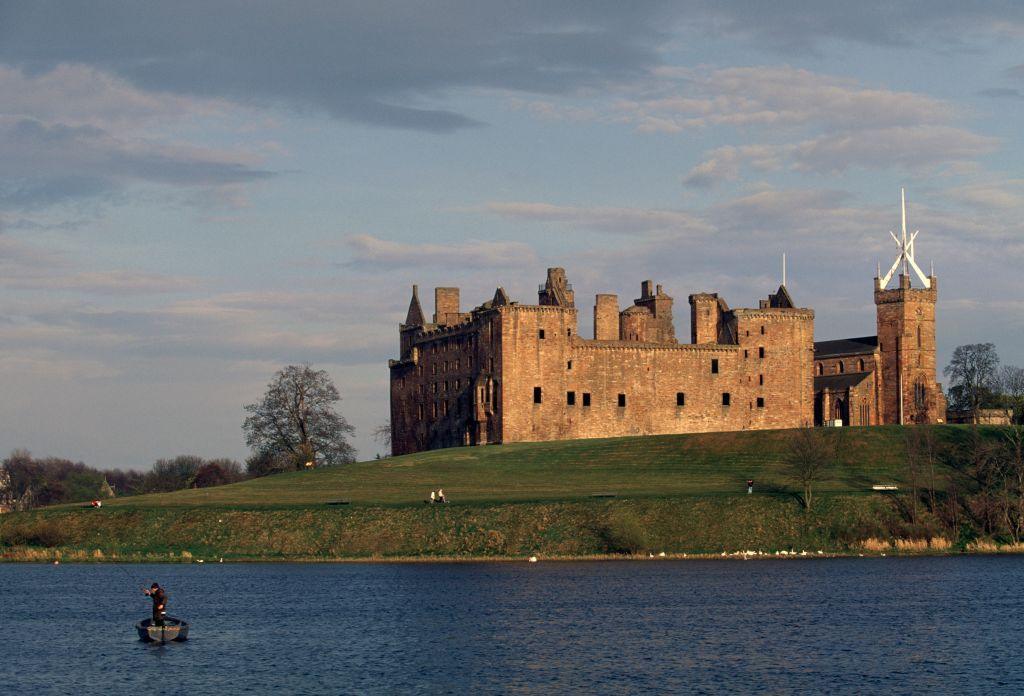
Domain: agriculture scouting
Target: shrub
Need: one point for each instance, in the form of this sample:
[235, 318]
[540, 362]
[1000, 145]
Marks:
[917, 545]
[623, 533]
[873, 544]
[47, 533]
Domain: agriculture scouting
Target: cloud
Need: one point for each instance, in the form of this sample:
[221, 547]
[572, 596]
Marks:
[827, 125]
[372, 252]
[604, 219]
[389, 63]
[85, 95]
[27, 266]
[1003, 195]
[1002, 93]
[48, 163]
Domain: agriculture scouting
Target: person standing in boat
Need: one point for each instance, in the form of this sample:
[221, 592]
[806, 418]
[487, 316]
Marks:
[159, 597]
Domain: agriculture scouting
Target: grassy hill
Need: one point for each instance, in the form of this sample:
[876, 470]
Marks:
[674, 493]
[664, 465]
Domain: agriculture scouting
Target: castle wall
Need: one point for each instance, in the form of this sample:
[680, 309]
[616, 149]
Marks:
[770, 391]
[445, 391]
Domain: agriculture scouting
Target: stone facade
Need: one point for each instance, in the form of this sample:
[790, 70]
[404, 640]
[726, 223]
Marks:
[889, 377]
[509, 372]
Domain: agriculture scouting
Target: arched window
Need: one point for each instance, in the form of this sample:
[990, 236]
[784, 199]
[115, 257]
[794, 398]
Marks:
[842, 367]
[918, 335]
[860, 365]
[821, 369]
[920, 394]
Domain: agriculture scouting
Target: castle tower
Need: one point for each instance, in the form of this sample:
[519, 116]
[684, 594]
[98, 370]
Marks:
[705, 317]
[556, 291]
[413, 323]
[606, 317]
[659, 304]
[906, 339]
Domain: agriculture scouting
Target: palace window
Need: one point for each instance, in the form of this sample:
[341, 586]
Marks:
[821, 369]
[568, 332]
[762, 329]
[760, 352]
[540, 333]
[842, 367]
[568, 365]
[746, 353]
[570, 398]
[760, 380]
[760, 402]
[622, 401]
[860, 365]
[714, 366]
[586, 398]
[536, 395]
[680, 398]
[725, 398]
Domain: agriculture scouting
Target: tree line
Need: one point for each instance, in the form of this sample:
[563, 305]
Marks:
[27, 482]
[294, 426]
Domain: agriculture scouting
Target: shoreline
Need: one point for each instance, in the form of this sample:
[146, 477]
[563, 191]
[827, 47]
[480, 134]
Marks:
[82, 557]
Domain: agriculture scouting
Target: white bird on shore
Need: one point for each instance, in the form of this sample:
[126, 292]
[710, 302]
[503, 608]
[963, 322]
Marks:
[533, 559]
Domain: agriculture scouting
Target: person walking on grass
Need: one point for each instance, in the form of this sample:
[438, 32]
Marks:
[440, 495]
[433, 497]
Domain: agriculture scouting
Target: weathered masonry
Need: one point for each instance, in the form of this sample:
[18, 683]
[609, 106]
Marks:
[509, 372]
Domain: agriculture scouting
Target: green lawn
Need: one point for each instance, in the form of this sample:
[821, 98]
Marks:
[658, 466]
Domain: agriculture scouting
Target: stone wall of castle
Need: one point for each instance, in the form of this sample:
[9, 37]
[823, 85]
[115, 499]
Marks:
[507, 372]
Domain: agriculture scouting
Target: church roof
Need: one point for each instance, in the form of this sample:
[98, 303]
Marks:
[845, 346]
[839, 382]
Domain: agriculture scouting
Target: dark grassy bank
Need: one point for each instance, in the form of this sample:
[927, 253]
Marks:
[677, 494]
[693, 524]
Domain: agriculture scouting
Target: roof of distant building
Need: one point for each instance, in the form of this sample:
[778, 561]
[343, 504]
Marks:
[845, 346]
[839, 382]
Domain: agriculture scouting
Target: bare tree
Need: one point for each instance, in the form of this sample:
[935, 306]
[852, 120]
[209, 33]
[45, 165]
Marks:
[382, 434]
[811, 454]
[1010, 385]
[296, 418]
[972, 377]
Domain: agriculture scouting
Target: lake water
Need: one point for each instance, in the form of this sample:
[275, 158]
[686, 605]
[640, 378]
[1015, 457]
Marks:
[927, 625]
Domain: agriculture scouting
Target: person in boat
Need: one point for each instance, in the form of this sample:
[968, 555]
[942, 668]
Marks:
[159, 597]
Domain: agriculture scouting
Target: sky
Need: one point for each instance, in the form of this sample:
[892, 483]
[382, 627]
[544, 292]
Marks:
[196, 194]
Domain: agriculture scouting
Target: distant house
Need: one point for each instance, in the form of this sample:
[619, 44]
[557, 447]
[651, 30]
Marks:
[985, 416]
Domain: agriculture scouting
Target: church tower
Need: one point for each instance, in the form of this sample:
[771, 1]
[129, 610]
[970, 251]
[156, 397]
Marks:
[906, 338]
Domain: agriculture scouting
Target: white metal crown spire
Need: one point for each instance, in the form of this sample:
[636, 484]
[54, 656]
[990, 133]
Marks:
[906, 247]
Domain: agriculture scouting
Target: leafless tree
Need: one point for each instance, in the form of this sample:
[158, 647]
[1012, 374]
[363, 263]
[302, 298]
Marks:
[972, 376]
[296, 418]
[924, 457]
[1010, 383]
[382, 434]
[812, 452]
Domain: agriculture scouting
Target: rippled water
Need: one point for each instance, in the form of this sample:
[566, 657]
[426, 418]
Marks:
[949, 625]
